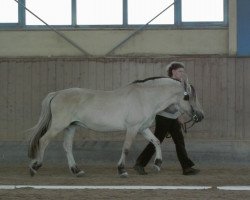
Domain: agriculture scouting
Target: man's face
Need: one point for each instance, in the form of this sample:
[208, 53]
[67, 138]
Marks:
[178, 73]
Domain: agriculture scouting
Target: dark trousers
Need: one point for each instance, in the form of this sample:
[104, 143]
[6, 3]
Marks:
[163, 126]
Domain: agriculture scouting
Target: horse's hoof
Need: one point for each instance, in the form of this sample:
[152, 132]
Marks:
[34, 167]
[140, 170]
[157, 165]
[80, 174]
[122, 172]
[76, 171]
[32, 172]
[124, 175]
[156, 168]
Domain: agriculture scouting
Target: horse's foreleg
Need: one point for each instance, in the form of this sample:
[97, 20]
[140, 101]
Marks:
[130, 135]
[151, 138]
[67, 144]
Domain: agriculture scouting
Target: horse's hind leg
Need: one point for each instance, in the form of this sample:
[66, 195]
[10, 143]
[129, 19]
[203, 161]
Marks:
[130, 136]
[69, 133]
[43, 143]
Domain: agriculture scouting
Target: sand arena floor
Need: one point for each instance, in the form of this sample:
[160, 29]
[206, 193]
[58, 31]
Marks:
[106, 175]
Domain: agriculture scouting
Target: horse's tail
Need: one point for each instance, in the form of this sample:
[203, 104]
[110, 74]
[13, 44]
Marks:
[41, 127]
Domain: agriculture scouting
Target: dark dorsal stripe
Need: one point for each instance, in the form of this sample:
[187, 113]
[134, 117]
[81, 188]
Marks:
[148, 79]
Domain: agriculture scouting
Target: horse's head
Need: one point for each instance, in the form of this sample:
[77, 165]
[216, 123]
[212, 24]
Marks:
[189, 104]
[188, 101]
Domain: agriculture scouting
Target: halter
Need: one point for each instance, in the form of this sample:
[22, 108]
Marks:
[186, 95]
[194, 117]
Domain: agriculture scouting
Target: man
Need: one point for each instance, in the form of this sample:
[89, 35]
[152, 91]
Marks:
[166, 122]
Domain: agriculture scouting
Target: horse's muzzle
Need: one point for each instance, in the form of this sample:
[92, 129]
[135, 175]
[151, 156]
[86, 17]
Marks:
[197, 116]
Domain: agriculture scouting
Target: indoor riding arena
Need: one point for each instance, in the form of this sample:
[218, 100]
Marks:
[104, 45]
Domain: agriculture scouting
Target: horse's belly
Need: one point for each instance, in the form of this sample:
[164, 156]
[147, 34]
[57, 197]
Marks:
[102, 125]
[99, 115]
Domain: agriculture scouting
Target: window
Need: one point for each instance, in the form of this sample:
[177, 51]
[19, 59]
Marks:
[142, 11]
[113, 13]
[202, 10]
[53, 12]
[99, 12]
[9, 11]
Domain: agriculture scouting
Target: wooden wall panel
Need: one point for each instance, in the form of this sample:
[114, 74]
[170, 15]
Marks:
[116, 75]
[246, 100]
[206, 95]
[11, 96]
[19, 115]
[222, 85]
[108, 76]
[100, 76]
[124, 73]
[92, 75]
[231, 92]
[239, 106]
[4, 98]
[51, 76]
[27, 112]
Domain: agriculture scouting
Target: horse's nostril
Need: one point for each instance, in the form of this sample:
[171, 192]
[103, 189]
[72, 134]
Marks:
[201, 118]
[195, 118]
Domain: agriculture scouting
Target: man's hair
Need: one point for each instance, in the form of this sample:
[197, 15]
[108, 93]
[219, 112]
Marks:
[174, 66]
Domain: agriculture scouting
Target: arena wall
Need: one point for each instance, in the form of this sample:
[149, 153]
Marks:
[222, 85]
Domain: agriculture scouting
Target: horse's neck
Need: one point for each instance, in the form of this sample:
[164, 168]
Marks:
[164, 96]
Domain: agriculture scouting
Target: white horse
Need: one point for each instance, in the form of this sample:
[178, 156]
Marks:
[131, 108]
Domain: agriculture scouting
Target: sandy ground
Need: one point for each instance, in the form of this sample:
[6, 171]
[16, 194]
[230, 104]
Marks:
[107, 175]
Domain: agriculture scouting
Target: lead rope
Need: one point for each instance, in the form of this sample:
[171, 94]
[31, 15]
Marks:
[184, 125]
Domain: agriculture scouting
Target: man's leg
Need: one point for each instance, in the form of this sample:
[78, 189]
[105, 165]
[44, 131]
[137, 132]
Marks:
[186, 163]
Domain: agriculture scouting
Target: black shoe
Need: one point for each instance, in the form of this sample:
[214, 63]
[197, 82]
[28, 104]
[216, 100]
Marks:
[190, 171]
[140, 170]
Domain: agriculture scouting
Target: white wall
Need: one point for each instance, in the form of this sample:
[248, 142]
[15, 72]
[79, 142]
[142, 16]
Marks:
[98, 42]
